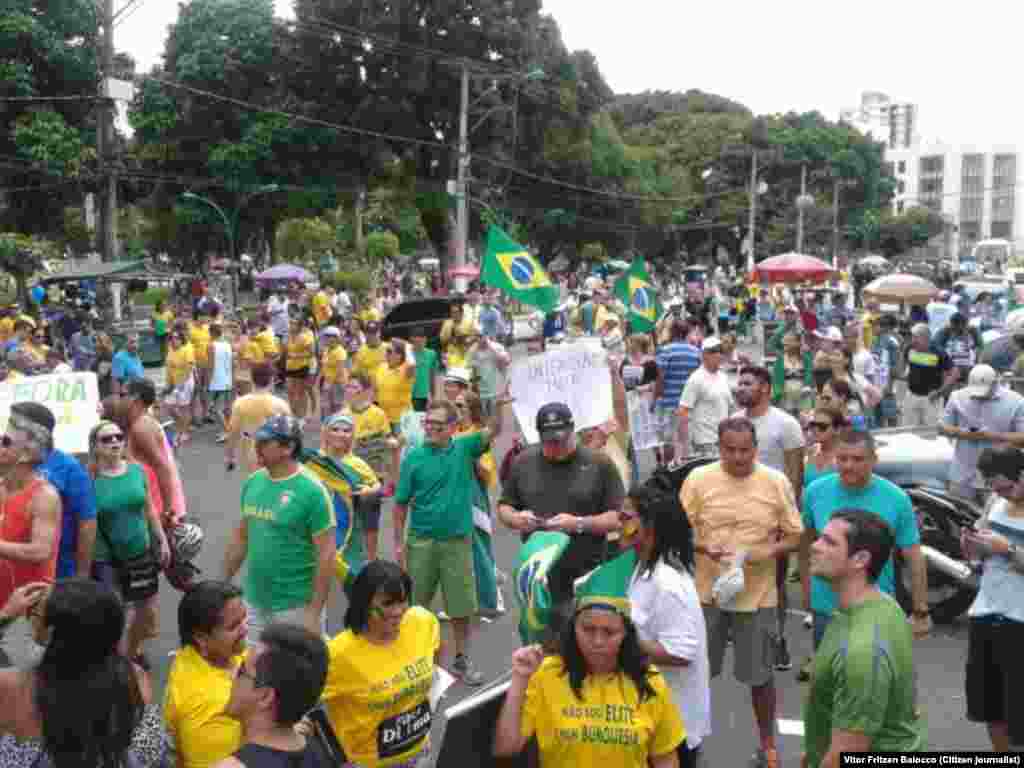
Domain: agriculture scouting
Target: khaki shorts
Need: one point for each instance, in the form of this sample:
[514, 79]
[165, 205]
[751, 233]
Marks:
[668, 424]
[753, 642]
[448, 562]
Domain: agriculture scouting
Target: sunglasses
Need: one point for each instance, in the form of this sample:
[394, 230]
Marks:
[6, 441]
[111, 439]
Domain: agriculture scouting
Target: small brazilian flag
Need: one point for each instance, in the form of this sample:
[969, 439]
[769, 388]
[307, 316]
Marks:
[636, 291]
[538, 555]
[508, 267]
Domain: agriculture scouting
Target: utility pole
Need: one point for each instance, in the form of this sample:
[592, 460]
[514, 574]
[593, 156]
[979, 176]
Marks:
[800, 205]
[461, 185]
[752, 219]
[105, 142]
[835, 224]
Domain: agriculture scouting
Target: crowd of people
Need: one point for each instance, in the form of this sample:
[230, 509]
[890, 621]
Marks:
[781, 488]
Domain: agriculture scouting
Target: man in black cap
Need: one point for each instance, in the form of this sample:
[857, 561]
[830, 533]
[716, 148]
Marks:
[30, 539]
[561, 486]
[962, 343]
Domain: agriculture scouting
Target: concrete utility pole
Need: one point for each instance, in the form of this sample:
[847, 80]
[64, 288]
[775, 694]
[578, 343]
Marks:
[835, 224]
[752, 218]
[461, 190]
[107, 239]
[800, 205]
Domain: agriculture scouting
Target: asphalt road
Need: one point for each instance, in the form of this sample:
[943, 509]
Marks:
[213, 498]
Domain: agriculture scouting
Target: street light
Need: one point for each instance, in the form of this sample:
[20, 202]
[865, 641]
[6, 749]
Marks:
[231, 226]
[462, 198]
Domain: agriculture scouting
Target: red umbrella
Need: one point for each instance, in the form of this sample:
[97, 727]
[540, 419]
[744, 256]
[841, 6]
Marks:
[792, 268]
[469, 271]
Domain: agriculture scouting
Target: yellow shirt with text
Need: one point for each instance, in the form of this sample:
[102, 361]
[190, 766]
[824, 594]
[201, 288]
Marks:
[199, 335]
[300, 351]
[376, 696]
[194, 702]
[740, 513]
[179, 364]
[367, 359]
[394, 390]
[333, 365]
[608, 727]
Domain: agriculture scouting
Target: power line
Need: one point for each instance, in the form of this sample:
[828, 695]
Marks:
[131, 7]
[78, 97]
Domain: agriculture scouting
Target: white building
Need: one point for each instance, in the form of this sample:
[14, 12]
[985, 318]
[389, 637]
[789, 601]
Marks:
[973, 187]
[894, 123]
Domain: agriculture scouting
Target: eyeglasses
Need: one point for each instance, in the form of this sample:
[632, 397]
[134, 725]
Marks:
[111, 439]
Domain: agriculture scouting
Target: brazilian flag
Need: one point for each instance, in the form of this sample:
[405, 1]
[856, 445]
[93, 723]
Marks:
[637, 292]
[341, 483]
[508, 267]
[607, 586]
[537, 556]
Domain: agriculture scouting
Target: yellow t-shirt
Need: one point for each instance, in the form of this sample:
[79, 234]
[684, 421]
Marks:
[321, 308]
[610, 726]
[194, 702]
[367, 359]
[247, 415]
[333, 365]
[267, 342]
[6, 328]
[394, 391]
[377, 695]
[251, 353]
[179, 364]
[371, 422]
[300, 351]
[740, 513]
[369, 315]
[199, 335]
[487, 468]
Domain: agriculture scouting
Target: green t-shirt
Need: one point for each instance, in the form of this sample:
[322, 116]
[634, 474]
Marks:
[426, 364]
[863, 680]
[283, 517]
[438, 485]
[123, 530]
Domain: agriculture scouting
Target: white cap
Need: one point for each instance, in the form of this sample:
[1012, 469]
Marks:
[331, 330]
[711, 344]
[921, 329]
[981, 381]
[458, 375]
[830, 334]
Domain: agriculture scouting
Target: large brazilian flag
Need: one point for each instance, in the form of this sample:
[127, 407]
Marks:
[509, 267]
[537, 556]
[639, 295]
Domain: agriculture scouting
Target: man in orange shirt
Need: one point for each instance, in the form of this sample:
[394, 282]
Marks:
[744, 516]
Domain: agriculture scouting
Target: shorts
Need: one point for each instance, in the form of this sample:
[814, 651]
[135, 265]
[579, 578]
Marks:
[688, 758]
[182, 394]
[419, 404]
[219, 395]
[992, 674]
[335, 391]
[488, 407]
[753, 643]
[369, 508]
[448, 562]
[300, 373]
[668, 424]
[258, 620]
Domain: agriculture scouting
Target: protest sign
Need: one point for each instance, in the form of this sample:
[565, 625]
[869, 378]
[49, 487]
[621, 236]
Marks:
[73, 398]
[643, 424]
[575, 374]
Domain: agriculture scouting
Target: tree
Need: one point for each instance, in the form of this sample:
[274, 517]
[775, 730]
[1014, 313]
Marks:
[899, 233]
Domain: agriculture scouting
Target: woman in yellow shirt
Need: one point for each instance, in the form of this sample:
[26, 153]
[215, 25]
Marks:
[181, 384]
[393, 381]
[300, 368]
[334, 372]
[212, 627]
[199, 338]
[163, 321]
[598, 702]
[380, 673]
[248, 353]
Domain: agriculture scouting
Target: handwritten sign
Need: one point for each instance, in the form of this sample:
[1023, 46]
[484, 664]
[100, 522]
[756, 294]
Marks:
[72, 397]
[644, 425]
[575, 374]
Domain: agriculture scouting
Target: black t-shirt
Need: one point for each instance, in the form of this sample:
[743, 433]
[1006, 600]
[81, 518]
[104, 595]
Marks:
[926, 370]
[587, 485]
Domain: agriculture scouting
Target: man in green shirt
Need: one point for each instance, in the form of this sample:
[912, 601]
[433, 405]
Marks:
[426, 369]
[436, 483]
[285, 535]
[863, 693]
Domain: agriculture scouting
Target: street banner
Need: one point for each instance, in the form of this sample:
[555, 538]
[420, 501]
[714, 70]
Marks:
[74, 399]
[643, 424]
[575, 374]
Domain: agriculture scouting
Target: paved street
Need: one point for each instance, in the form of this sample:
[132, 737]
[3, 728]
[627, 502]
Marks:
[213, 497]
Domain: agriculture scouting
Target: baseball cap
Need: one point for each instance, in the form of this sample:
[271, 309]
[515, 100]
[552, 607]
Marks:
[711, 344]
[554, 421]
[340, 420]
[921, 329]
[981, 381]
[830, 334]
[280, 427]
[458, 375]
[332, 330]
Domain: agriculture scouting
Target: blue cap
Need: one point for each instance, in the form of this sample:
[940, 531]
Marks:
[280, 427]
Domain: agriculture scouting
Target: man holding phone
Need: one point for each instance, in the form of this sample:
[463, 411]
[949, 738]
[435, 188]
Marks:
[981, 415]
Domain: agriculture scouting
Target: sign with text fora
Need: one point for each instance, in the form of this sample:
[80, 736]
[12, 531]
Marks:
[574, 374]
[72, 397]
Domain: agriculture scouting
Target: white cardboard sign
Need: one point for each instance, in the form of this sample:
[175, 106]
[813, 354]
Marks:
[72, 397]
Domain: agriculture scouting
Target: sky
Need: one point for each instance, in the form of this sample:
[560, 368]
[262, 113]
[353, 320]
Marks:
[952, 61]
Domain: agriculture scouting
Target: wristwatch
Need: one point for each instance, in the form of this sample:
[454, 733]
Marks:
[579, 525]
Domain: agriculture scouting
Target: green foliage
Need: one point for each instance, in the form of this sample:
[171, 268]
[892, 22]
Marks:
[357, 283]
[898, 233]
[150, 297]
[382, 247]
[303, 241]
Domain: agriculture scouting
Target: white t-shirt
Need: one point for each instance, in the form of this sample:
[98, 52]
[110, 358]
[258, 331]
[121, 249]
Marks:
[864, 364]
[665, 607]
[777, 432]
[709, 398]
[278, 311]
[220, 371]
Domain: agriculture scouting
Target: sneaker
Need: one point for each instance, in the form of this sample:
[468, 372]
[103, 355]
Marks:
[765, 758]
[222, 437]
[463, 669]
[783, 662]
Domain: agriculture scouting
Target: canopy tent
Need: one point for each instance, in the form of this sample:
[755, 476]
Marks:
[111, 271]
[901, 287]
[792, 268]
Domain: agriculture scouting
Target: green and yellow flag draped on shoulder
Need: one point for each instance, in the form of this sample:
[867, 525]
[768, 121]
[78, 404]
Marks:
[638, 293]
[510, 268]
